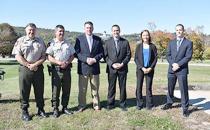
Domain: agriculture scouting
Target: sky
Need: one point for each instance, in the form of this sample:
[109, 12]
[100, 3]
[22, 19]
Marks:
[132, 16]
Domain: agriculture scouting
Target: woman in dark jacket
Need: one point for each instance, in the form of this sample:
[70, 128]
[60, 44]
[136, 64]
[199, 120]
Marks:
[145, 59]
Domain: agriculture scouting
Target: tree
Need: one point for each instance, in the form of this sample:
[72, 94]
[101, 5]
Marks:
[198, 45]
[161, 40]
[7, 33]
[207, 53]
[7, 39]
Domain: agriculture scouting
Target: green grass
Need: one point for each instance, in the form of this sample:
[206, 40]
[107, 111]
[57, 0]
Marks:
[89, 119]
[150, 122]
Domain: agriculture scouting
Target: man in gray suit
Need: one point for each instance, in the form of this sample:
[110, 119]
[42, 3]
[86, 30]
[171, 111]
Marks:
[179, 53]
[117, 53]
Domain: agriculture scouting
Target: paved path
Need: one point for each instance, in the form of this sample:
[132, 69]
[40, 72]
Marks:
[199, 98]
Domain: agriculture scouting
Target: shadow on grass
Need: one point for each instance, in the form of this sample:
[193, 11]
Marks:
[197, 100]
[204, 106]
[6, 101]
[158, 100]
[9, 63]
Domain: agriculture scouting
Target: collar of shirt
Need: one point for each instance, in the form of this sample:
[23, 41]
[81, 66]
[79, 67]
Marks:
[180, 39]
[89, 37]
[29, 39]
[116, 38]
[57, 41]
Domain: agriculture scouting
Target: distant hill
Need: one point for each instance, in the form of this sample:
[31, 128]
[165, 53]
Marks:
[48, 34]
[160, 38]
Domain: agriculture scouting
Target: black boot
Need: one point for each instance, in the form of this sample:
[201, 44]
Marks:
[167, 106]
[56, 113]
[42, 113]
[66, 111]
[25, 115]
[186, 113]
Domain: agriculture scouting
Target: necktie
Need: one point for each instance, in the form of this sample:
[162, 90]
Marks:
[90, 43]
[116, 45]
[178, 43]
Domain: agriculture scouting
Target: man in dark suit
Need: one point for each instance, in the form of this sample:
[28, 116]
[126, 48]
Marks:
[179, 53]
[89, 51]
[117, 54]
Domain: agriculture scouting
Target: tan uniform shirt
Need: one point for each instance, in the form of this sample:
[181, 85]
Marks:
[60, 50]
[31, 49]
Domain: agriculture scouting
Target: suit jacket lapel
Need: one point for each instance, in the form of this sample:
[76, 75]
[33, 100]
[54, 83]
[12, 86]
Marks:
[180, 47]
[94, 44]
[150, 53]
[141, 53]
[174, 47]
[120, 46]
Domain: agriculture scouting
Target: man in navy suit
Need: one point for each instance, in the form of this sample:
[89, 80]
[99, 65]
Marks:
[117, 53]
[89, 51]
[179, 53]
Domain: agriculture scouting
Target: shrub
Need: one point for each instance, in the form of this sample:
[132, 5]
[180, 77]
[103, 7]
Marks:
[6, 49]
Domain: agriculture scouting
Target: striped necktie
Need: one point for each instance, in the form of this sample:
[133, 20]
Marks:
[178, 44]
[116, 45]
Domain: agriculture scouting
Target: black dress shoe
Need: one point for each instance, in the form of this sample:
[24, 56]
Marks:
[110, 107]
[139, 107]
[56, 113]
[25, 116]
[42, 113]
[186, 113]
[166, 106]
[149, 108]
[66, 111]
[97, 109]
[81, 109]
[123, 108]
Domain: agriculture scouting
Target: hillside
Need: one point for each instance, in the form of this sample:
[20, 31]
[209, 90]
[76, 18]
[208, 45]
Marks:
[48, 34]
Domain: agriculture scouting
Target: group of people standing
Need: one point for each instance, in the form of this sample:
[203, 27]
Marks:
[30, 51]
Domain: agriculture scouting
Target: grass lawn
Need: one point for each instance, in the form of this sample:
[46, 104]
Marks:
[116, 119]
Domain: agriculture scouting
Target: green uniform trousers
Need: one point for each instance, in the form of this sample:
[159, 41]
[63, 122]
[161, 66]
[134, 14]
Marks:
[28, 78]
[61, 78]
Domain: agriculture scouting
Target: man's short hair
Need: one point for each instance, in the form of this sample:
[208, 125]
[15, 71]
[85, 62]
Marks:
[59, 26]
[89, 22]
[31, 25]
[115, 25]
[180, 25]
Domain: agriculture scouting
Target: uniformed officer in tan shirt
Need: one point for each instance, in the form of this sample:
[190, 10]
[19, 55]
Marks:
[29, 51]
[60, 53]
